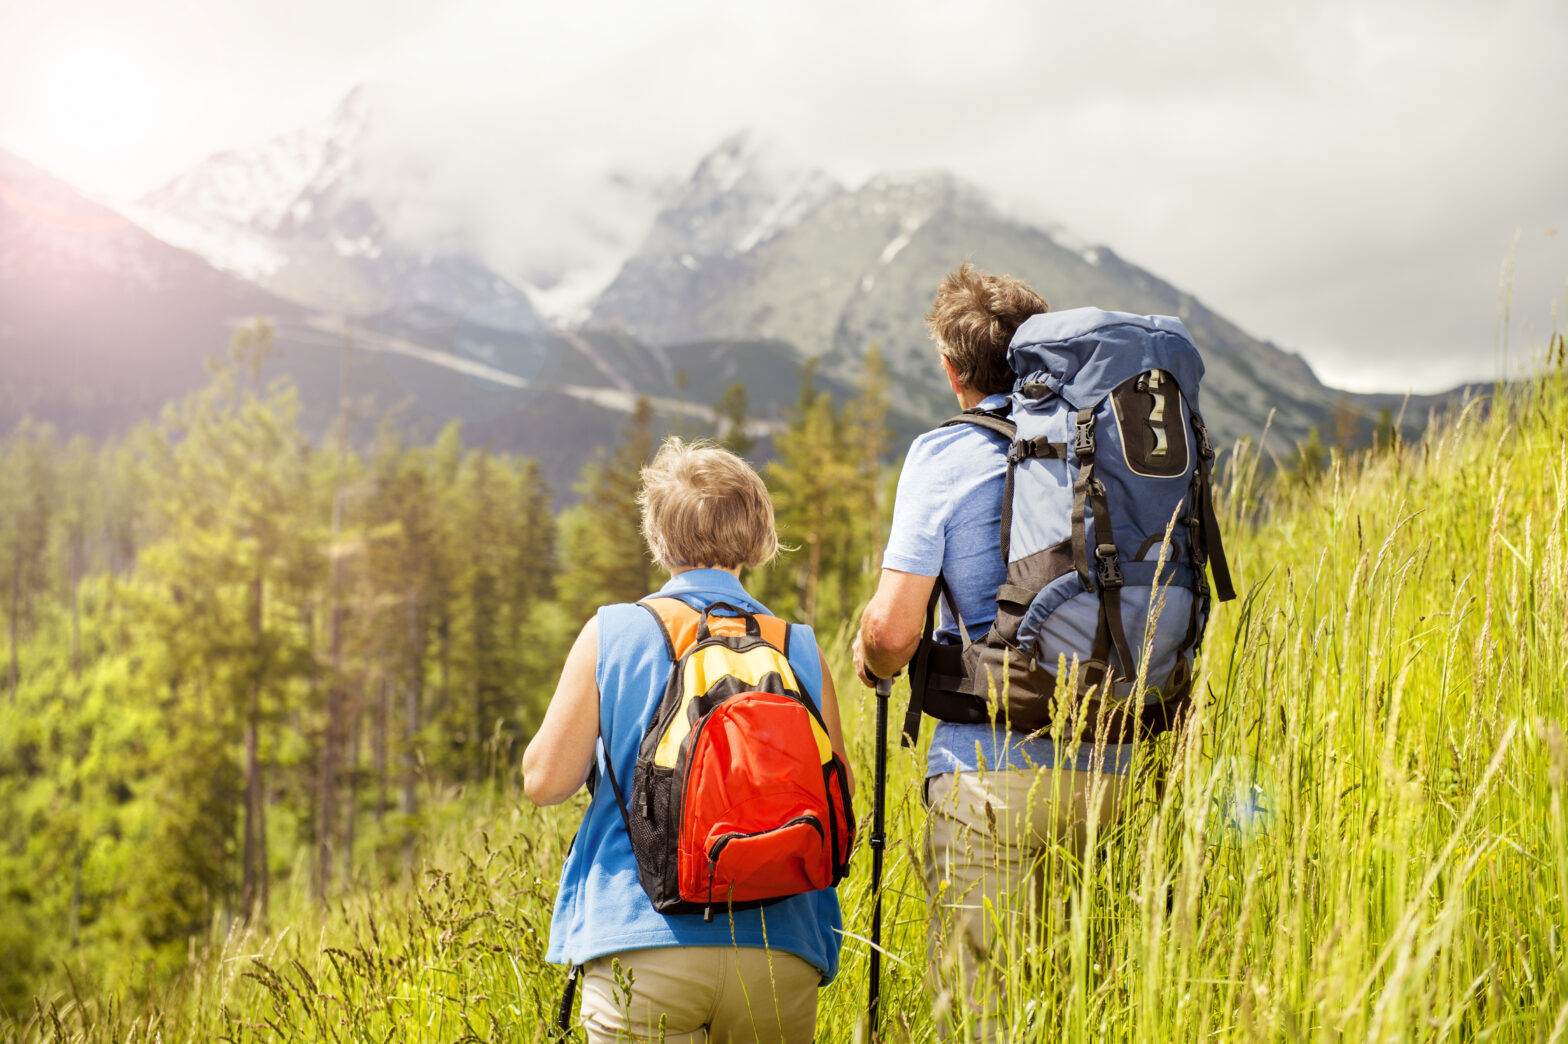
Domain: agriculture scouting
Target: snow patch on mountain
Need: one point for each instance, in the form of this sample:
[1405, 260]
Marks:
[260, 186]
[801, 193]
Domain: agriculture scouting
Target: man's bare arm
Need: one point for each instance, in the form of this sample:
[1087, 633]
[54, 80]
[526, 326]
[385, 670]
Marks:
[891, 626]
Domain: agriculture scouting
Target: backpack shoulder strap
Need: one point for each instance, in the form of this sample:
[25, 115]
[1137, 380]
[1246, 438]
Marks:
[997, 420]
[920, 671]
[677, 623]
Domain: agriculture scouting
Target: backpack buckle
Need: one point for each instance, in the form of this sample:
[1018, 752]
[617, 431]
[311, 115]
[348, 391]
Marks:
[1083, 439]
[1110, 567]
[1205, 448]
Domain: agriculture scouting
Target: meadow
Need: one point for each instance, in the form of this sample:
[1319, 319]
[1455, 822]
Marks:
[1361, 834]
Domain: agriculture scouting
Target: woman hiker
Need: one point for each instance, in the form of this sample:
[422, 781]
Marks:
[738, 973]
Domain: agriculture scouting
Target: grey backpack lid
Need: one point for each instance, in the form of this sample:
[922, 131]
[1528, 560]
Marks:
[1083, 353]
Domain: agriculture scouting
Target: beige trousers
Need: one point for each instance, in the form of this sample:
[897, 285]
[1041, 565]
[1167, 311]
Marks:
[1002, 853]
[681, 994]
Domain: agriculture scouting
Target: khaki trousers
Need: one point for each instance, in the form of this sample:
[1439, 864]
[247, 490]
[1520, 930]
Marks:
[681, 994]
[1000, 846]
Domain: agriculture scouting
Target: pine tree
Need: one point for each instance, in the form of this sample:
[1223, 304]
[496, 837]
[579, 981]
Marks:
[604, 560]
[812, 482]
[31, 489]
[729, 415]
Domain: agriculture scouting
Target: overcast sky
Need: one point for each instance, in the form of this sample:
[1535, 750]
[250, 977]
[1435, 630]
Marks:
[1351, 180]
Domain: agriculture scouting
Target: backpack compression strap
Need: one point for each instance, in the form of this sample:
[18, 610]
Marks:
[999, 422]
[1089, 492]
[1213, 546]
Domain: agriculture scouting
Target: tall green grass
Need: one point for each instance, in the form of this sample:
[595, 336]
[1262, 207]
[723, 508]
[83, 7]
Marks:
[1361, 834]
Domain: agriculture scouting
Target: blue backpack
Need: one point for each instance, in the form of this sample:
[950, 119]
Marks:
[1106, 449]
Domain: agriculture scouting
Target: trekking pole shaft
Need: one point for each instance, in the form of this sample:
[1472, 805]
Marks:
[878, 843]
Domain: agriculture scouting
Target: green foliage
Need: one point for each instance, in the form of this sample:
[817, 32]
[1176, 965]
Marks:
[730, 412]
[826, 486]
[28, 476]
[603, 558]
[232, 649]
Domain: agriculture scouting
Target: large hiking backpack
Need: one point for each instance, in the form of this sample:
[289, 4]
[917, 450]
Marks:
[1106, 449]
[737, 798]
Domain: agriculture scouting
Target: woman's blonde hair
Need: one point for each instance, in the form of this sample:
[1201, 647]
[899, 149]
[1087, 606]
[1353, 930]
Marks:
[704, 506]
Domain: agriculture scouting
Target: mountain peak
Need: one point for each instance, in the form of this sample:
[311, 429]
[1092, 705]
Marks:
[742, 193]
[260, 187]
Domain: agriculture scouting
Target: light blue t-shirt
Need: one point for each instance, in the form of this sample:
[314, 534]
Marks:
[601, 907]
[947, 519]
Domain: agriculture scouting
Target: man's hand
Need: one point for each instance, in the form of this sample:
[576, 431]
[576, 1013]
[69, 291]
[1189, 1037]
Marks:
[867, 679]
[891, 625]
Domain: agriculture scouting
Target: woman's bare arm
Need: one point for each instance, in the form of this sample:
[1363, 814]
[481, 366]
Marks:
[559, 756]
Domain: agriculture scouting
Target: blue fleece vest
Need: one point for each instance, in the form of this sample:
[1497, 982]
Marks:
[601, 908]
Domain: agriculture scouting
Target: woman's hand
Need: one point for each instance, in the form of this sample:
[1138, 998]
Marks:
[559, 756]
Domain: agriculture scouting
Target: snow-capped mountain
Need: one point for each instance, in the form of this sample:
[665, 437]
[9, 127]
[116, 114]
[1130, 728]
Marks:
[740, 197]
[308, 215]
[338, 216]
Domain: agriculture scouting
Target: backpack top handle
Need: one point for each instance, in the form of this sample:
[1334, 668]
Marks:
[753, 628]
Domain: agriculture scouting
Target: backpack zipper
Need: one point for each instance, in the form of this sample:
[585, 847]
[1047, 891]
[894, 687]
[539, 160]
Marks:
[725, 839]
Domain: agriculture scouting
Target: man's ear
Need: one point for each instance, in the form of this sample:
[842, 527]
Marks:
[952, 375]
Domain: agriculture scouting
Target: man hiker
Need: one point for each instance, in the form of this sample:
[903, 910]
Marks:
[999, 799]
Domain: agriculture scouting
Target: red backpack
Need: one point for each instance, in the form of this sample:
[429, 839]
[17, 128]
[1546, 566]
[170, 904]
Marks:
[737, 798]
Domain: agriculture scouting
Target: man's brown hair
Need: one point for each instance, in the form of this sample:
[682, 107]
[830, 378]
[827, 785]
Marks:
[973, 319]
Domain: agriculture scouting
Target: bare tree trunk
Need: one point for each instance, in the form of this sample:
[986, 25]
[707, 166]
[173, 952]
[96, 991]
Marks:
[476, 765]
[813, 567]
[76, 604]
[332, 732]
[249, 884]
[16, 612]
[76, 895]
[351, 773]
[254, 885]
[378, 742]
[413, 694]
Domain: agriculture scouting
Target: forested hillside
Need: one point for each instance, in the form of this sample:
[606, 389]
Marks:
[239, 659]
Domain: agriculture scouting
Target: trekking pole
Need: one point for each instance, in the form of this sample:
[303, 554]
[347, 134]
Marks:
[878, 843]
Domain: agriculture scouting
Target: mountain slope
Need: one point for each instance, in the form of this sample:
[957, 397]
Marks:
[100, 322]
[860, 267]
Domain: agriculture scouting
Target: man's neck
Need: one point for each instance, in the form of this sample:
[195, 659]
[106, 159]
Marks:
[968, 397]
